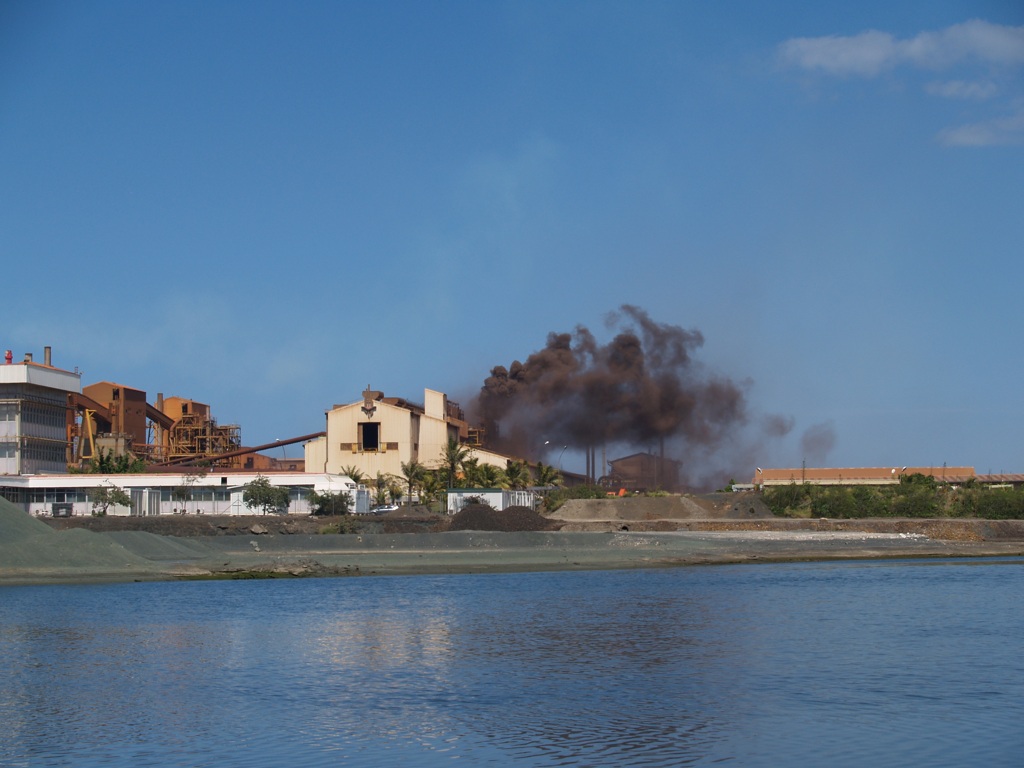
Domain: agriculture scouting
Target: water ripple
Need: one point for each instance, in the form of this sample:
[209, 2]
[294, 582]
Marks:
[840, 664]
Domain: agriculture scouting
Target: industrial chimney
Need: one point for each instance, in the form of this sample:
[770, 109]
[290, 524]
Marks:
[46, 357]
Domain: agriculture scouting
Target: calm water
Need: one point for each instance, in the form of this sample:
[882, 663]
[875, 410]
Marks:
[848, 664]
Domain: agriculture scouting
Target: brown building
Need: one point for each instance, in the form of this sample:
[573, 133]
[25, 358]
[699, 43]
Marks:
[643, 472]
[125, 407]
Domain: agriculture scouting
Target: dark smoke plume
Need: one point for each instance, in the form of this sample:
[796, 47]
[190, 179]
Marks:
[817, 442]
[642, 389]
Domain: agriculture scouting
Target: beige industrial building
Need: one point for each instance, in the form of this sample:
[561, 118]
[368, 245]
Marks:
[379, 434]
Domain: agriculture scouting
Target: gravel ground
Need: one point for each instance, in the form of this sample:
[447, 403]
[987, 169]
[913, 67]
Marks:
[33, 552]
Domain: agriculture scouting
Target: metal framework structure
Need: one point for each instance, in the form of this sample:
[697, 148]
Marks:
[196, 436]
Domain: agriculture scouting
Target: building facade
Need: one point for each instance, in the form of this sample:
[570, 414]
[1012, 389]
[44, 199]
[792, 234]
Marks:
[643, 472]
[199, 493]
[767, 477]
[34, 417]
[378, 434]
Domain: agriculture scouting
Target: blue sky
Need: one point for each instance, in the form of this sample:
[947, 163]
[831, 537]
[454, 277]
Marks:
[266, 206]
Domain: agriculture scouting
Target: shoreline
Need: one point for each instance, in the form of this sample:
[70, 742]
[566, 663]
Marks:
[150, 557]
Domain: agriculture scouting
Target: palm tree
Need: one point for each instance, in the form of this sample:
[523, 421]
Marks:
[471, 473]
[482, 475]
[517, 474]
[547, 475]
[382, 485]
[431, 486]
[453, 455]
[495, 477]
[394, 489]
[355, 474]
[412, 473]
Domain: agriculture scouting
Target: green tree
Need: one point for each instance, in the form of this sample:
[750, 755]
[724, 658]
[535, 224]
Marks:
[453, 456]
[106, 463]
[382, 486]
[480, 475]
[431, 486]
[260, 494]
[412, 473]
[548, 476]
[916, 480]
[556, 498]
[395, 490]
[921, 502]
[836, 501]
[330, 503]
[105, 496]
[517, 474]
[470, 472]
[490, 476]
[788, 500]
[355, 474]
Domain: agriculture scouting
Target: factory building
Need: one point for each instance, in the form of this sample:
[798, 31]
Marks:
[34, 415]
[49, 422]
[642, 472]
[116, 418]
[379, 434]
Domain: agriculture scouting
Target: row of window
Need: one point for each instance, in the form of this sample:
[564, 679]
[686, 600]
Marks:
[43, 415]
[39, 414]
[57, 495]
[33, 394]
[40, 451]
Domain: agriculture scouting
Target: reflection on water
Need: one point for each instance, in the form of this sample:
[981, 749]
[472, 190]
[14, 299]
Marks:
[892, 663]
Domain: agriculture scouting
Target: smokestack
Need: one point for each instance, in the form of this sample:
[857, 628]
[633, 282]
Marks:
[46, 357]
[28, 357]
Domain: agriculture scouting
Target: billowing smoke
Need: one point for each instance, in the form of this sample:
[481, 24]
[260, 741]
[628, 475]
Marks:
[816, 443]
[643, 390]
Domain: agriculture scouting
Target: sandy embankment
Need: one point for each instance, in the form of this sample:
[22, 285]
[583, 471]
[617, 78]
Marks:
[628, 536]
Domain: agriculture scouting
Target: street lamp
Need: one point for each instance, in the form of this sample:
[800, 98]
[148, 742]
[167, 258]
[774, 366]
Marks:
[548, 442]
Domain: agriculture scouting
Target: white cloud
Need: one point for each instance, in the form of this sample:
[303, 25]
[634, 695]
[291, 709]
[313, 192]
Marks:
[870, 53]
[963, 89]
[999, 132]
[976, 44]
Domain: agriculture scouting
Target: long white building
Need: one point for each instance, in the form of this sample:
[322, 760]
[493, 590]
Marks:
[214, 493]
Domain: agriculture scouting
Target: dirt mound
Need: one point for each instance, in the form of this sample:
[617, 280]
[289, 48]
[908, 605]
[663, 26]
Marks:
[480, 517]
[198, 525]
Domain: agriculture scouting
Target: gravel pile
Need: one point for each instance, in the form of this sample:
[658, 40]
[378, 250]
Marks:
[480, 517]
[15, 524]
[28, 545]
